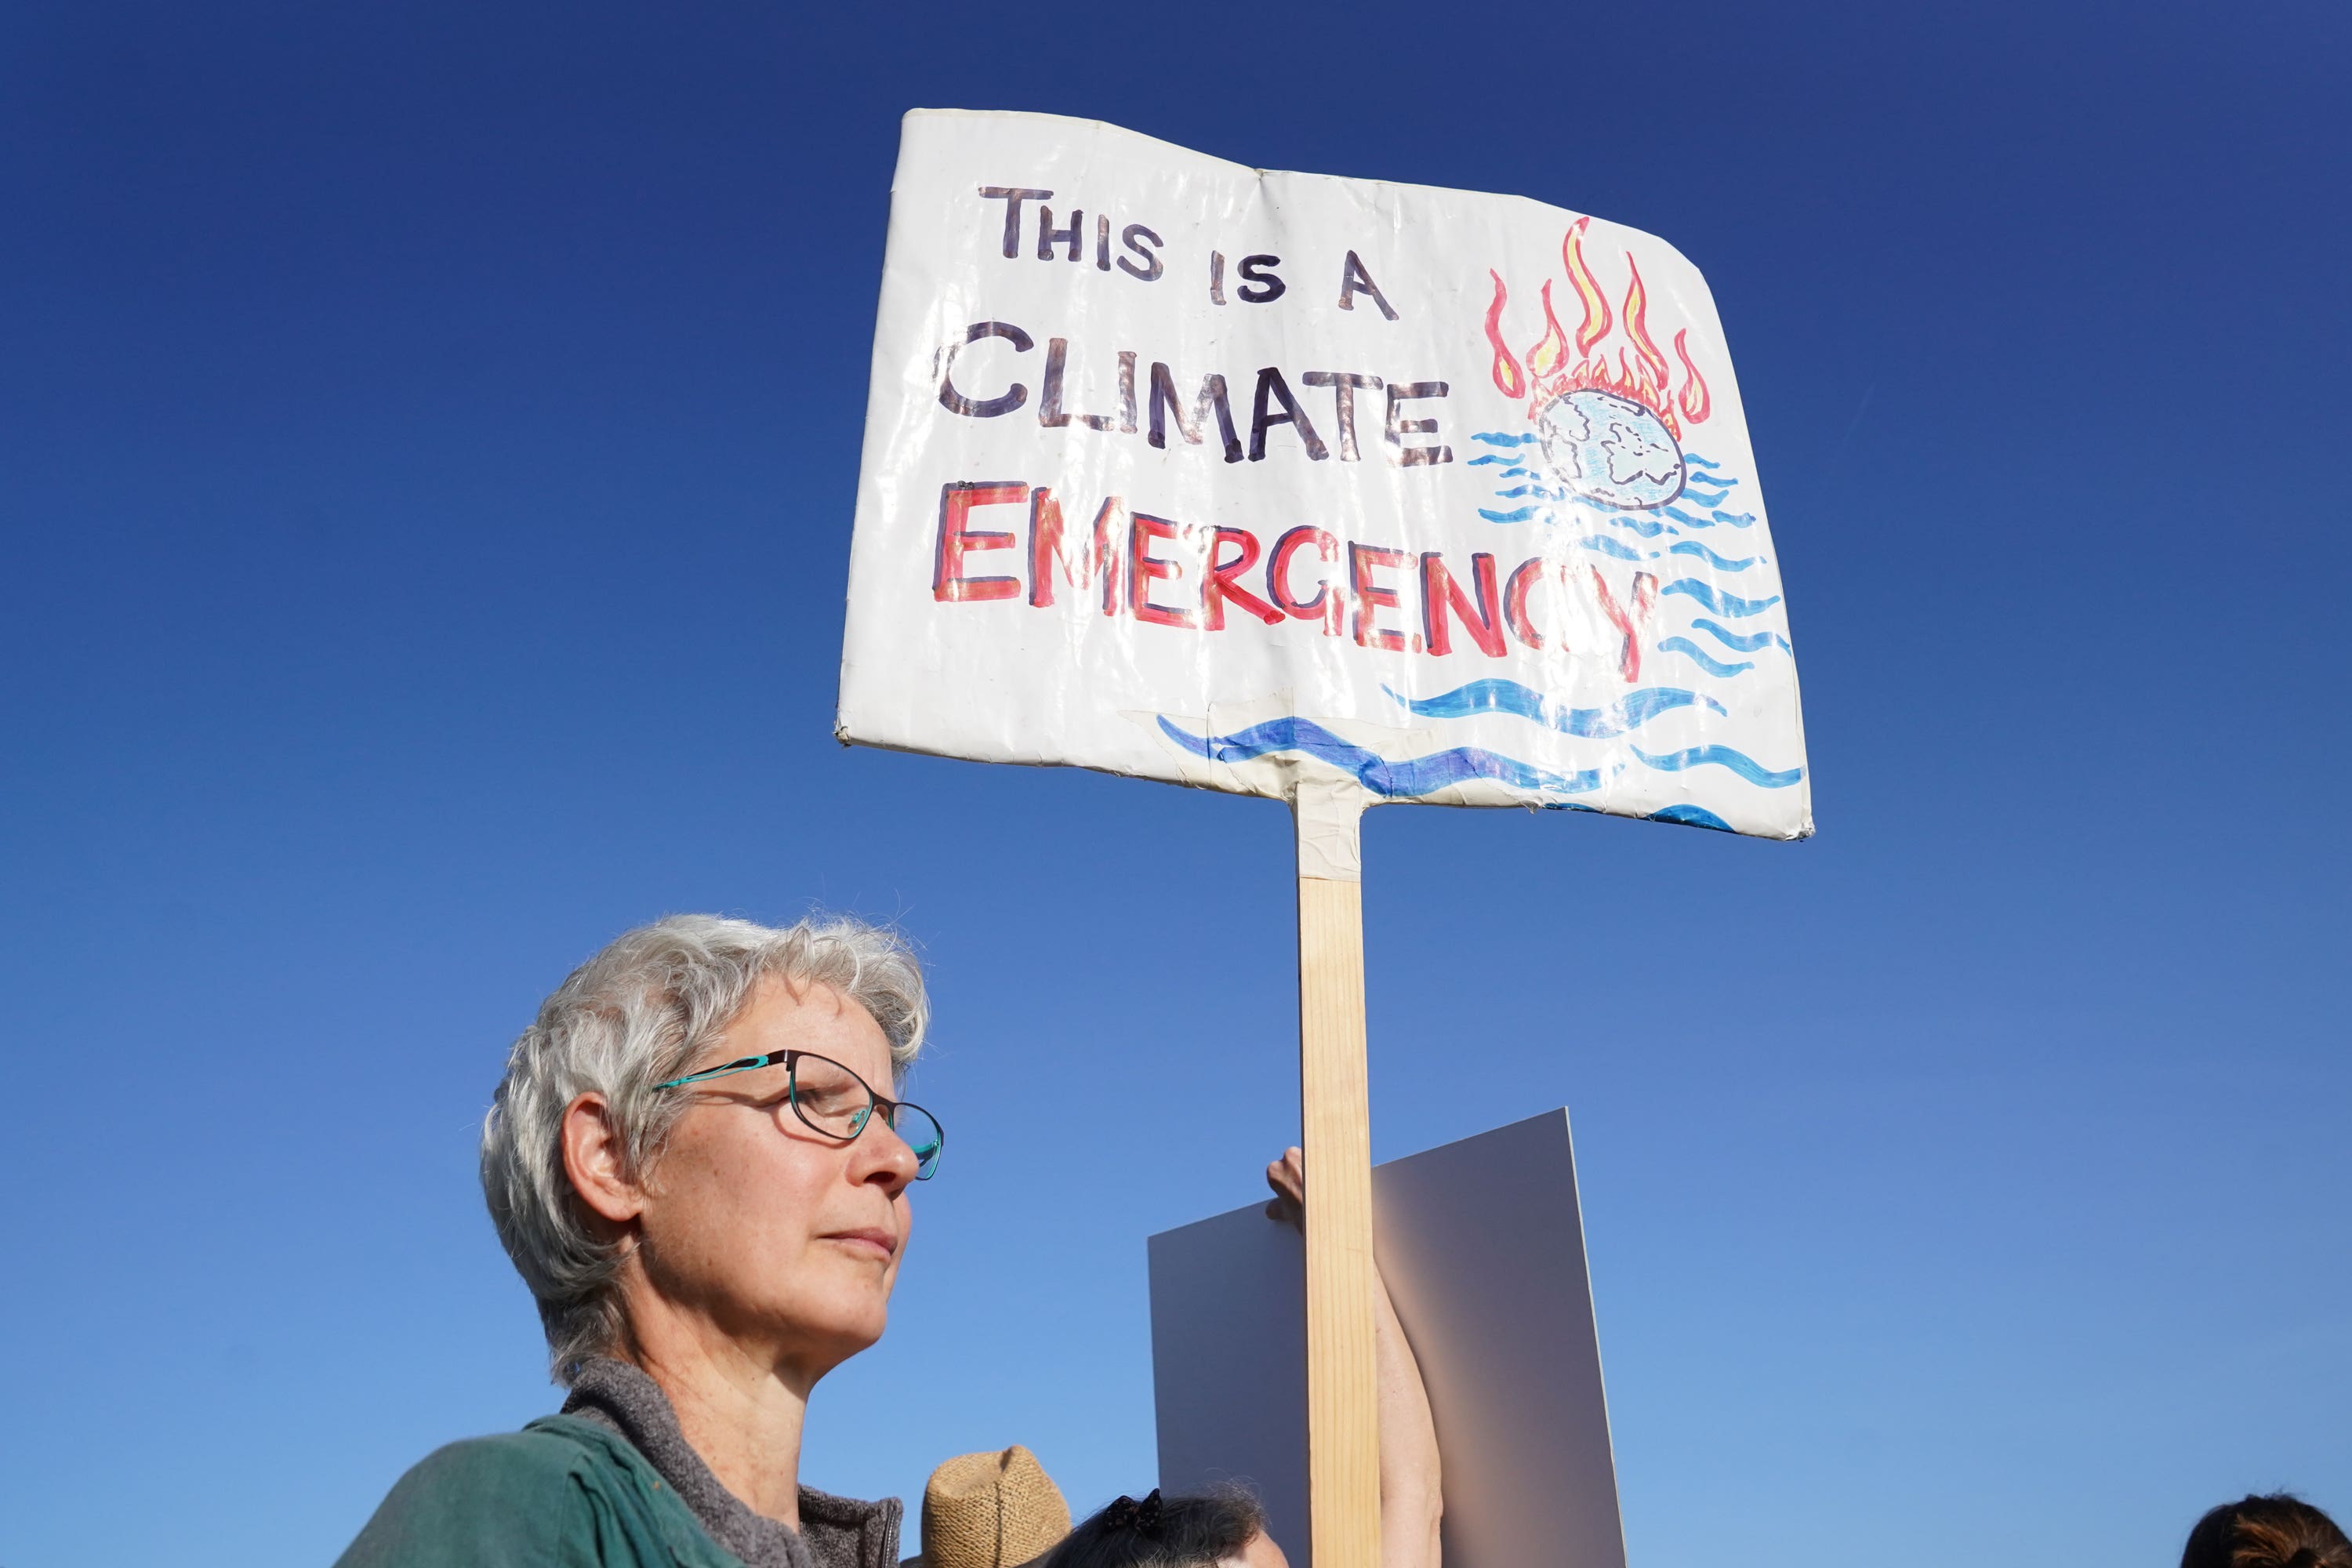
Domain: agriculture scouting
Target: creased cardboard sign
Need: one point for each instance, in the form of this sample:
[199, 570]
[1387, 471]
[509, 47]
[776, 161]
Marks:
[1229, 477]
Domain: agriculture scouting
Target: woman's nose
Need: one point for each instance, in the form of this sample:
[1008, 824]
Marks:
[885, 1157]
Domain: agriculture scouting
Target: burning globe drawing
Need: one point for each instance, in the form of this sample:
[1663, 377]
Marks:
[1610, 430]
[1611, 449]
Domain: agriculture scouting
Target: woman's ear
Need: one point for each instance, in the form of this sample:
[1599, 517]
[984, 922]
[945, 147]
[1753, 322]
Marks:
[596, 1162]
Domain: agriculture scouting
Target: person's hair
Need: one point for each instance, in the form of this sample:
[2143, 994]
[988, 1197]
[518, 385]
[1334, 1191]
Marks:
[630, 1018]
[2273, 1532]
[1163, 1532]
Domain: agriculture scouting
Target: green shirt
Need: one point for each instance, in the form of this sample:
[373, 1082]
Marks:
[561, 1494]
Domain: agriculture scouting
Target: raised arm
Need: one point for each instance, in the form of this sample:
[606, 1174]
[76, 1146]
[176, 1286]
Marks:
[1412, 1495]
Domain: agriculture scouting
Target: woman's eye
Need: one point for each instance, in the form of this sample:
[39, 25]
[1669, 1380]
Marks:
[832, 1102]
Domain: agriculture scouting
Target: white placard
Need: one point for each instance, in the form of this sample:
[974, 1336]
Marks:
[1223, 476]
[1482, 1242]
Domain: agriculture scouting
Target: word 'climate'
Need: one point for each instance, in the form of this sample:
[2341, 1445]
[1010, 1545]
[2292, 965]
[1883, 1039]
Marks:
[1161, 403]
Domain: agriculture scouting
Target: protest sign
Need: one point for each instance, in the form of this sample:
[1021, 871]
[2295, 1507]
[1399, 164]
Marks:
[1185, 470]
[1498, 1304]
[1331, 490]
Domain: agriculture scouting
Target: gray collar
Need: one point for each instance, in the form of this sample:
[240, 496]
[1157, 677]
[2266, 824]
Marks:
[836, 1532]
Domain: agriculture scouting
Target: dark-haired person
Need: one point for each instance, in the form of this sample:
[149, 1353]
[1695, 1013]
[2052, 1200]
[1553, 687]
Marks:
[2273, 1532]
[1225, 1526]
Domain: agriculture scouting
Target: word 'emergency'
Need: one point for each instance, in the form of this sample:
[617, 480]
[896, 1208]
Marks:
[1189, 577]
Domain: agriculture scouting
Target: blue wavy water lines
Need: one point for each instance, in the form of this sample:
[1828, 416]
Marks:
[1630, 711]
[1734, 520]
[1648, 528]
[1684, 646]
[1521, 515]
[1721, 604]
[1748, 643]
[1496, 438]
[1608, 546]
[1702, 462]
[1740, 763]
[1684, 518]
[1689, 816]
[1693, 547]
[1414, 776]
[1488, 457]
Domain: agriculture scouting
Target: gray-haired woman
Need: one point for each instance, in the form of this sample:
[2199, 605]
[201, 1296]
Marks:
[753, 1073]
[699, 1163]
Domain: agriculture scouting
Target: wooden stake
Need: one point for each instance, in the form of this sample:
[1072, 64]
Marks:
[1343, 1466]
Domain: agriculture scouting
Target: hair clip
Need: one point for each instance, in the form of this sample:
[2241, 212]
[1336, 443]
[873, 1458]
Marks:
[1126, 1514]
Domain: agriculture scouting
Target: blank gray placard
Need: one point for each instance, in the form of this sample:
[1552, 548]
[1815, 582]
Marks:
[1483, 1247]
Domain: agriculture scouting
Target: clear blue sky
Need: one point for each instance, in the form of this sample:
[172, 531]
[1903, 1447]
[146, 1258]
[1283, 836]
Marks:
[427, 436]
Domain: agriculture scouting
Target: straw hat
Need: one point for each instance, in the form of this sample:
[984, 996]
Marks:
[990, 1511]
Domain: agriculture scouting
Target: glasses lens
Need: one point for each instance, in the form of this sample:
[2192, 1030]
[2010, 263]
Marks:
[921, 1131]
[829, 1097]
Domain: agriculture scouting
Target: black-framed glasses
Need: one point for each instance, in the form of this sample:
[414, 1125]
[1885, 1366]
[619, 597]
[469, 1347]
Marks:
[831, 1100]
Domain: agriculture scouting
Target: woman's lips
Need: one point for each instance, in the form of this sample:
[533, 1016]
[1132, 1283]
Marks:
[882, 1244]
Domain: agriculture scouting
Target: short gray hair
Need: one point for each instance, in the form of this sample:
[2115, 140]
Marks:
[630, 1018]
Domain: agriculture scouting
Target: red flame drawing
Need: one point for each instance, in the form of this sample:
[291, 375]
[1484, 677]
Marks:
[1642, 372]
[1596, 303]
[1696, 404]
[1551, 348]
[1637, 310]
[1508, 375]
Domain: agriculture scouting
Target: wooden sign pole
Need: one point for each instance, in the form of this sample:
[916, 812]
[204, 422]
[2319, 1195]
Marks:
[1343, 1466]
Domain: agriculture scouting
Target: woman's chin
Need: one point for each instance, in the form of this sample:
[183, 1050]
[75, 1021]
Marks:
[822, 1356]
[836, 1331]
